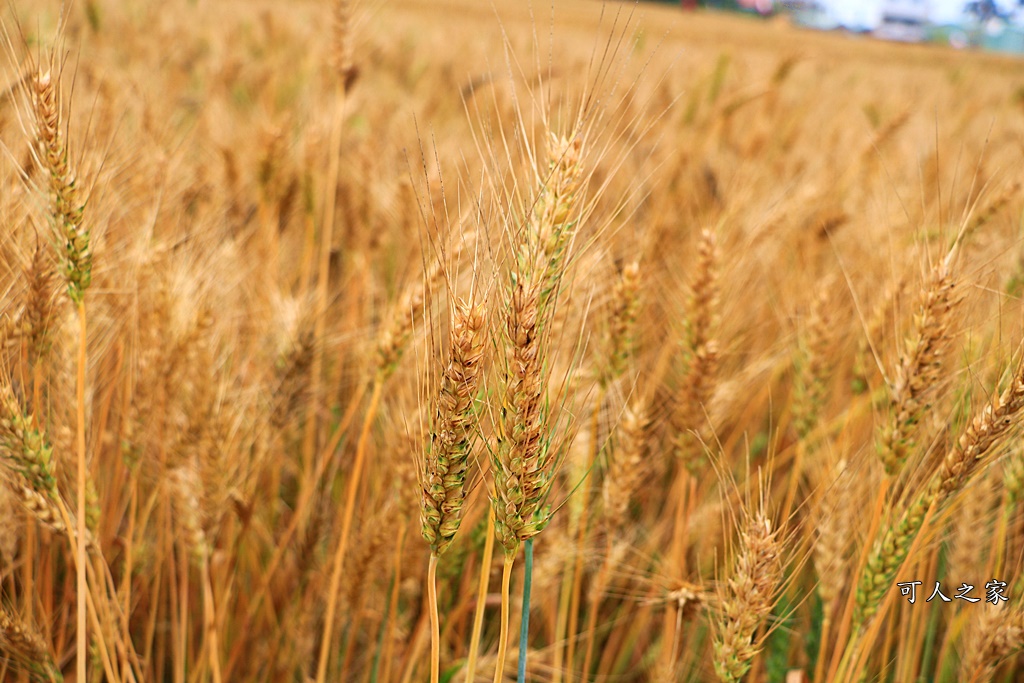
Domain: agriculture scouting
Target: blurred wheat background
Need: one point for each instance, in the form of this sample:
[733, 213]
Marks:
[337, 338]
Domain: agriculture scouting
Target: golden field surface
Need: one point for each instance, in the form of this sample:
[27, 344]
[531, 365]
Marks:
[338, 338]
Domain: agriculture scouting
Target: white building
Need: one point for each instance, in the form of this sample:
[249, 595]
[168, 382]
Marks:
[904, 20]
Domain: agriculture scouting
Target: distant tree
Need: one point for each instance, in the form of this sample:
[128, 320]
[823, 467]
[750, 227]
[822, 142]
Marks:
[983, 10]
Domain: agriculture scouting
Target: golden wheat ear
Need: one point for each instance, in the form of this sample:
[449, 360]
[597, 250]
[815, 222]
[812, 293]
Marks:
[748, 596]
[702, 353]
[447, 453]
[919, 376]
[342, 45]
[26, 648]
[629, 465]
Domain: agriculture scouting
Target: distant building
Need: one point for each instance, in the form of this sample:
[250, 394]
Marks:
[904, 20]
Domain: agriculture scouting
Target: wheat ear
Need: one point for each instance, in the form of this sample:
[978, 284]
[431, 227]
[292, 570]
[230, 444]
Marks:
[920, 369]
[748, 597]
[996, 634]
[27, 458]
[523, 463]
[24, 645]
[701, 349]
[446, 460]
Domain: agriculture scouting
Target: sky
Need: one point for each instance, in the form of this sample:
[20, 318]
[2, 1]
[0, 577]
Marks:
[866, 13]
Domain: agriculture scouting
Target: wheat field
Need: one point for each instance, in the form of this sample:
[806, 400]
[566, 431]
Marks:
[449, 341]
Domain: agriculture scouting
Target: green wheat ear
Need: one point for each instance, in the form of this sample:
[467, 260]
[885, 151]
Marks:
[66, 210]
